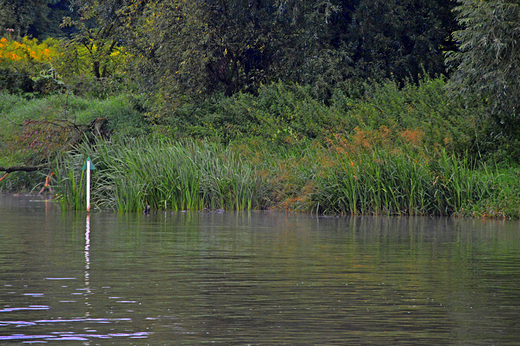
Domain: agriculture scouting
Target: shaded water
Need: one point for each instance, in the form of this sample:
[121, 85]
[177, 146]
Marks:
[259, 278]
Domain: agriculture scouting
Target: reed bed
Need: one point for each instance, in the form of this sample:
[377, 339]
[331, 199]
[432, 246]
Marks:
[388, 182]
[382, 182]
[306, 177]
[165, 175]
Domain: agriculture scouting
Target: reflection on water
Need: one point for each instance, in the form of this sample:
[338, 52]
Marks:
[257, 278]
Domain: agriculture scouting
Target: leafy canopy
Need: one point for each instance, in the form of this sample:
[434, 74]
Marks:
[488, 63]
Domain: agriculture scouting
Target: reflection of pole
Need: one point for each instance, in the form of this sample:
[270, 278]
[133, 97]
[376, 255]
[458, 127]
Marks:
[88, 186]
[87, 262]
[87, 247]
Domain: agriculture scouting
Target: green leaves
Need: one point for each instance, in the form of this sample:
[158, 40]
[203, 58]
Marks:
[98, 34]
[400, 40]
[488, 63]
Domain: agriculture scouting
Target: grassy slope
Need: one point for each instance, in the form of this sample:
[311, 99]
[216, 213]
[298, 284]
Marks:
[35, 130]
[388, 151]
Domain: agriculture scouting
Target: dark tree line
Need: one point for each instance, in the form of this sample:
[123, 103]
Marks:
[202, 46]
[237, 45]
[194, 48]
[34, 18]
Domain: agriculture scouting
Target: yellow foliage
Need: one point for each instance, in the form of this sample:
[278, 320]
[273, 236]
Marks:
[27, 54]
[33, 56]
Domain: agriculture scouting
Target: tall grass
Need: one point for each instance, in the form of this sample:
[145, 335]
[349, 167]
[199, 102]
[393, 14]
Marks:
[167, 175]
[392, 183]
[69, 178]
[306, 177]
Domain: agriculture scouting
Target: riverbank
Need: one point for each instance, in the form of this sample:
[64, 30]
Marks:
[387, 151]
[192, 175]
[196, 175]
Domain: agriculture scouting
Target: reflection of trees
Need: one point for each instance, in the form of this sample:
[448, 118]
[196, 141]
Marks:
[244, 277]
[487, 301]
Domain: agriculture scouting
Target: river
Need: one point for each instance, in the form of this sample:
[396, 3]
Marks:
[258, 278]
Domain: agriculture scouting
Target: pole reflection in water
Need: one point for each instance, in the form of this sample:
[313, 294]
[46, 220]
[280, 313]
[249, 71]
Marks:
[87, 265]
[50, 291]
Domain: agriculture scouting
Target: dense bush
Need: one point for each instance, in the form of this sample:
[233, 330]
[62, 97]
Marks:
[287, 114]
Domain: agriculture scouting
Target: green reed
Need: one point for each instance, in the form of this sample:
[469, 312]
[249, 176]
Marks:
[195, 175]
[167, 175]
[393, 183]
[70, 189]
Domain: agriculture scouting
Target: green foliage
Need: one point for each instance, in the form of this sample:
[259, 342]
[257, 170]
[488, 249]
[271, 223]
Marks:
[23, 83]
[124, 114]
[231, 46]
[287, 114]
[425, 106]
[166, 175]
[382, 182]
[277, 111]
[195, 48]
[235, 46]
[33, 129]
[306, 177]
[21, 182]
[24, 17]
[8, 102]
[95, 43]
[95, 88]
[36, 130]
[488, 66]
[16, 82]
[85, 59]
[379, 150]
[400, 40]
[70, 182]
[322, 84]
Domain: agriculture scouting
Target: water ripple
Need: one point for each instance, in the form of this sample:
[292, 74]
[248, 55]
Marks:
[93, 320]
[73, 336]
[31, 307]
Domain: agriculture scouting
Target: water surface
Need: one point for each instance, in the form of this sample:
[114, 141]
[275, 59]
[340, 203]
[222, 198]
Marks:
[259, 278]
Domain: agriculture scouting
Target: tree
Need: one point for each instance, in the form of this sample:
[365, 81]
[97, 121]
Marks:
[21, 15]
[98, 32]
[488, 62]
[229, 46]
[36, 18]
[201, 47]
[400, 40]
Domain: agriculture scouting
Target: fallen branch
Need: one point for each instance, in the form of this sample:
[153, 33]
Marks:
[25, 168]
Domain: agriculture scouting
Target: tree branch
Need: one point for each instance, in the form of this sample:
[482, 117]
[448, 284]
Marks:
[25, 168]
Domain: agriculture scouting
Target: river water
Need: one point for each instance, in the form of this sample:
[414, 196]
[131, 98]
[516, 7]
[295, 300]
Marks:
[259, 278]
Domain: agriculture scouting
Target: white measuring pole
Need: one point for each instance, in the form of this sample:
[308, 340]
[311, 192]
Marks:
[88, 186]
